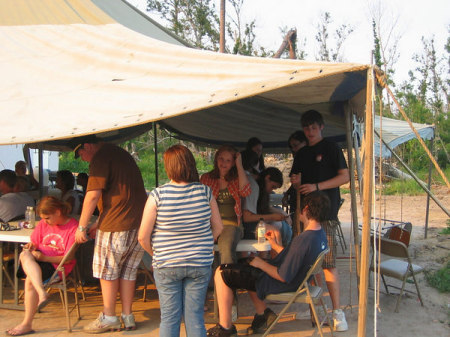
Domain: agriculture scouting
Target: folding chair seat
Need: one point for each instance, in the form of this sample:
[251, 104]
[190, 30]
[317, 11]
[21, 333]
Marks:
[400, 267]
[61, 284]
[306, 293]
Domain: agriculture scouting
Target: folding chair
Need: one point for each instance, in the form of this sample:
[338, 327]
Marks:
[61, 285]
[340, 233]
[400, 269]
[146, 269]
[305, 293]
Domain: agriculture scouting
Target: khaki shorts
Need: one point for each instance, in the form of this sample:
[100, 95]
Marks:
[117, 255]
[329, 227]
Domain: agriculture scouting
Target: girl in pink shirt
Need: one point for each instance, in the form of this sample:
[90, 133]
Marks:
[50, 241]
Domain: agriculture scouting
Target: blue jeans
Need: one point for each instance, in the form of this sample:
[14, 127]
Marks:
[182, 293]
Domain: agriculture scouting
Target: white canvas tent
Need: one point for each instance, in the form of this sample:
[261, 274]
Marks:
[69, 69]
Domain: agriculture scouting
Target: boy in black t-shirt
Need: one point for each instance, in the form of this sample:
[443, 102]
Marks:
[282, 274]
[323, 168]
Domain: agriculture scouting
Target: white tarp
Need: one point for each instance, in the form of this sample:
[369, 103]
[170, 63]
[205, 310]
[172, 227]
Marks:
[395, 132]
[68, 69]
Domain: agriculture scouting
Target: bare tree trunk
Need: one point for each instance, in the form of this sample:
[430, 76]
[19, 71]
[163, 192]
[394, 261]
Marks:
[222, 27]
[288, 39]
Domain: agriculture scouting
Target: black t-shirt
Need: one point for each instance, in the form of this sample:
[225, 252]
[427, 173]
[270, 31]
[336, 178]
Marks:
[318, 163]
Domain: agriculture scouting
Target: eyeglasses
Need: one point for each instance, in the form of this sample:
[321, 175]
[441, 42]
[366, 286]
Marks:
[7, 227]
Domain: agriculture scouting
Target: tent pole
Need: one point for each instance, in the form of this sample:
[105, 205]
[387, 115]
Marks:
[351, 166]
[367, 205]
[41, 171]
[430, 170]
[421, 184]
[358, 167]
[155, 144]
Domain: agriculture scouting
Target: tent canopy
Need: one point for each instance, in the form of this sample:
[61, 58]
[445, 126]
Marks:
[70, 69]
[395, 132]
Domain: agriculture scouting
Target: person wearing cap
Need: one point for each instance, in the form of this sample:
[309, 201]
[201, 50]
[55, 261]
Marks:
[115, 185]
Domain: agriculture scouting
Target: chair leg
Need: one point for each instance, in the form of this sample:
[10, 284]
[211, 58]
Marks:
[285, 308]
[385, 284]
[77, 303]
[77, 279]
[316, 317]
[401, 294]
[417, 288]
[66, 302]
[330, 323]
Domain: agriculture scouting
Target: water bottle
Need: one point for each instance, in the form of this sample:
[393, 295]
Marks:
[261, 231]
[30, 217]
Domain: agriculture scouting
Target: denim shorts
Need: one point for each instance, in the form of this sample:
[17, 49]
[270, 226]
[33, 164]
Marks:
[240, 276]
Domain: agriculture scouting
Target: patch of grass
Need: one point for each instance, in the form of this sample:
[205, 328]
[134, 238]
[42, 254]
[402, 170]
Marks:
[440, 279]
[406, 187]
[446, 231]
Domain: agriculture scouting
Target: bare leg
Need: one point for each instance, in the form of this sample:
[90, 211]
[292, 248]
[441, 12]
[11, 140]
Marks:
[224, 300]
[34, 274]
[332, 280]
[31, 304]
[127, 289]
[260, 305]
[109, 294]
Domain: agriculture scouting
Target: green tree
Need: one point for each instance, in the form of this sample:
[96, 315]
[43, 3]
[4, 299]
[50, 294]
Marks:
[342, 32]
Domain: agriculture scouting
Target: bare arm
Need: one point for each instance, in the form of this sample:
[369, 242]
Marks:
[252, 217]
[147, 225]
[243, 179]
[89, 204]
[272, 271]
[216, 220]
[341, 178]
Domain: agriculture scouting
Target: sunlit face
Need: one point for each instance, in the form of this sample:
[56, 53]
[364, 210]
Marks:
[296, 145]
[225, 161]
[313, 133]
[52, 219]
[258, 149]
[270, 185]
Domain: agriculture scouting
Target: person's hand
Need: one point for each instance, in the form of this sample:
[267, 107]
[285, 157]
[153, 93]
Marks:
[295, 180]
[38, 255]
[80, 237]
[29, 246]
[271, 237]
[307, 188]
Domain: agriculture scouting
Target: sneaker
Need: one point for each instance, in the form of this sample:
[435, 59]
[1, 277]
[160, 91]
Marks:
[339, 322]
[102, 325]
[219, 331]
[261, 322]
[128, 322]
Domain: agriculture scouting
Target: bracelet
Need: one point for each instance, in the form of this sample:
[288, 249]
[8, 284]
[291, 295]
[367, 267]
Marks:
[317, 187]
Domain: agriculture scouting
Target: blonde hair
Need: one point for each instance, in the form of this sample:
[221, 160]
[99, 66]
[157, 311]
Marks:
[49, 205]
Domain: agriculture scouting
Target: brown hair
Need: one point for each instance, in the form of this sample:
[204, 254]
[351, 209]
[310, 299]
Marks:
[215, 173]
[49, 205]
[180, 164]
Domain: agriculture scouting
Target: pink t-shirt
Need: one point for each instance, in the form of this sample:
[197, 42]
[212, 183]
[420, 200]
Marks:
[55, 240]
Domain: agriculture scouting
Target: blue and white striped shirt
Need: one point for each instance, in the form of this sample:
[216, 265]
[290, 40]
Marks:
[182, 235]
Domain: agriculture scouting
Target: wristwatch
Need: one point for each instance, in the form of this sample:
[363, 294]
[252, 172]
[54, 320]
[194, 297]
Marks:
[82, 229]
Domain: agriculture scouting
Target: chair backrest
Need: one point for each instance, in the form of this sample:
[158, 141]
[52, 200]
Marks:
[392, 247]
[315, 268]
[70, 255]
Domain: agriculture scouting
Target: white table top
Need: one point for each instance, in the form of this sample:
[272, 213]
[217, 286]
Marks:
[250, 246]
[20, 235]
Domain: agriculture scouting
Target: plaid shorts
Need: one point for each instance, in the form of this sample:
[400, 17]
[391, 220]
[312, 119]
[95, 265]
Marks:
[329, 226]
[117, 255]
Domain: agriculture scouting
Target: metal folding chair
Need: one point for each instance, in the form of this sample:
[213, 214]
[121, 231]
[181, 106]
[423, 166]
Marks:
[400, 268]
[306, 293]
